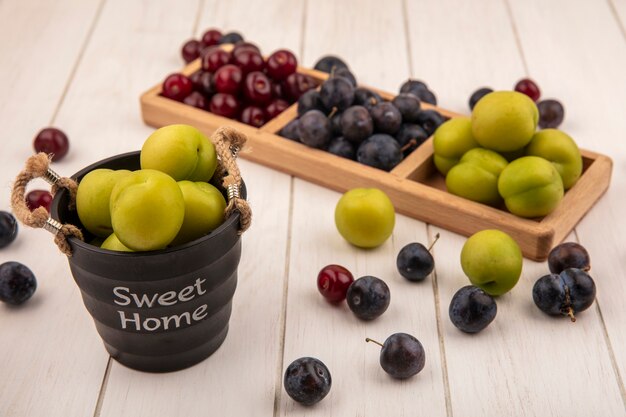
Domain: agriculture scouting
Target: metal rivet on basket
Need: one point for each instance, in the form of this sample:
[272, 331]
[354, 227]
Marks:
[234, 150]
[232, 191]
[52, 226]
[51, 177]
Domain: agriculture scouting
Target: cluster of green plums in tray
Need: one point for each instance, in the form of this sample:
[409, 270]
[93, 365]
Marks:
[497, 157]
[168, 202]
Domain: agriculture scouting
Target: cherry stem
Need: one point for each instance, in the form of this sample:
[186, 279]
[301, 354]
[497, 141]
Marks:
[570, 313]
[332, 112]
[434, 241]
[367, 339]
[410, 143]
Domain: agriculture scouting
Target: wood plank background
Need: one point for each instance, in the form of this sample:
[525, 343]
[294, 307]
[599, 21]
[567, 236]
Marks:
[81, 65]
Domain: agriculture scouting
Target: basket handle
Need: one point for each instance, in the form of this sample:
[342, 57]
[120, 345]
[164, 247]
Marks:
[228, 142]
[38, 166]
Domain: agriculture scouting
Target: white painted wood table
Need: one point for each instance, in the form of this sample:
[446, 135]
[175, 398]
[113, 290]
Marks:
[82, 64]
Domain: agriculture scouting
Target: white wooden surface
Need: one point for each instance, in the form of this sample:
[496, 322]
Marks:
[81, 65]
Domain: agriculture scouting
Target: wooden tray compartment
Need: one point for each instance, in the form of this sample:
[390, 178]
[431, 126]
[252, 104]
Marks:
[414, 186]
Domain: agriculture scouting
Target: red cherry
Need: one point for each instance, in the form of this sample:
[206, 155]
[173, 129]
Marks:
[214, 58]
[197, 100]
[191, 50]
[211, 37]
[281, 64]
[242, 46]
[205, 84]
[333, 282]
[225, 105]
[257, 88]
[528, 87]
[196, 80]
[276, 107]
[297, 84]
[253, 116]
[228, 79]
[249, 60]
[177, 87]
[52, 141]
[38, 198]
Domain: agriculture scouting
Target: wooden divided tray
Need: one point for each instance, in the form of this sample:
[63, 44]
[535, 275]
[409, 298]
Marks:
[414, 186]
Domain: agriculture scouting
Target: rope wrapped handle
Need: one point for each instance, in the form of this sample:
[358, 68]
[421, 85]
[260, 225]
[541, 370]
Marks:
[227, 141]
[38, 166]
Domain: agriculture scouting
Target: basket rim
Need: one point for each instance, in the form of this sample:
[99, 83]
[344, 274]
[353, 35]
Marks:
[230, 222]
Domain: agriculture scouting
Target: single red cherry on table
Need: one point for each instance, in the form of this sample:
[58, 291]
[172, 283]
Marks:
[177, 87]
[52, 141]
[333, 282]
[281, 64]
[528, 87]
[38, 198]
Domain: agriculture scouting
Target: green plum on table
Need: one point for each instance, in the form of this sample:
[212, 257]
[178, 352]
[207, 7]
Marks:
[492, 260]
[181, 151]
[92, 200]
[531, 187]
[365, 217]
[147, 210]
[504, 121]
[560, 149]
[204, 210]
[451, 141]
[475, 177]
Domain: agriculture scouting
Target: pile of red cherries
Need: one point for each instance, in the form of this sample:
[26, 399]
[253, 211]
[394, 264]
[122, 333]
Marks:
[239, 83]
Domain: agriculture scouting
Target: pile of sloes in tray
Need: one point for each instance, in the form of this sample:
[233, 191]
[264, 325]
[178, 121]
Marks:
[356, 123]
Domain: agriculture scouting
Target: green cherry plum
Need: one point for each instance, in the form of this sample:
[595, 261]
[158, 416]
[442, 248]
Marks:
[113, 243]
[181, 151]
[92, 200]
[560, 149]
[204, 210]
[492, 260]
[531, 187]
[504, 121]
[475, 177]
[451, 141]
[365, 217]
[147, 210]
